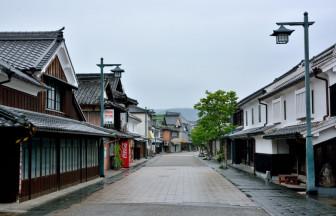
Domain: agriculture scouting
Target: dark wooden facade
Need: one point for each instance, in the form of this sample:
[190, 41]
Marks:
[50, 163]
[14, 98]
[46, 162]
[55, 70]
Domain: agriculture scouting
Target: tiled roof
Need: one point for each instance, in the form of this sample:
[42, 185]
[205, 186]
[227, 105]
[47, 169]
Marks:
[171, 120]
[251, 132]
[137, 109]
[292, 131]
[330, 122]
[88, 92]
[5, 67]
[26, 50]
[112, 132]
[11, 117]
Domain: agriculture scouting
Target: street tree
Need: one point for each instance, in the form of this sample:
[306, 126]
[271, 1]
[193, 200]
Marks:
[215, 114]
[199, 137]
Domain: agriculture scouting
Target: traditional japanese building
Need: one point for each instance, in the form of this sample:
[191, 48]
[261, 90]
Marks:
[116, 104]
[272, 132]
[46, 143]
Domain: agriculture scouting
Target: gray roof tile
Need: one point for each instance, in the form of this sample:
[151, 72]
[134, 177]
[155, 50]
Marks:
[14, 117]
[88, 92]
[251, 132]
[25, 50]
[5, 67]
[292, 131]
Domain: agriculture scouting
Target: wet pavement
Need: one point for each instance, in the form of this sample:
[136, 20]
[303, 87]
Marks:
[75, 197]
[275, 199]
[182, 184]
[174, 184]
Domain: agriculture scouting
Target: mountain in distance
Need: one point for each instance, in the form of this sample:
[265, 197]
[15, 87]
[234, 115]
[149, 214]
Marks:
[189, 114]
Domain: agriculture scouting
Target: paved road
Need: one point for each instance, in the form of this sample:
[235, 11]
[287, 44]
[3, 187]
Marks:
[171, 184]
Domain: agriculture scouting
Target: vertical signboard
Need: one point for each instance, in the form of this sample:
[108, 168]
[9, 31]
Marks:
[108, 117]
[125, 153]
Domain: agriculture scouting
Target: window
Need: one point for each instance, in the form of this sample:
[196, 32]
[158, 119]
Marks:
[259, 113]
[63, 156]
[276, 110]
[25, 160]
[300, 103]
[252, 112]
[332, 100]
[54, 97]
[312, 102]
[246, 117]
[284, 110]
[238, 118]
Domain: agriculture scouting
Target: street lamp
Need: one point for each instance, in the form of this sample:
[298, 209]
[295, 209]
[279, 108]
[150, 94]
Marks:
[282, 34]
[282, 38]
[117, 72]
[101, 147]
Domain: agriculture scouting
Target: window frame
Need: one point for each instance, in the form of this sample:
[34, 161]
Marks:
[303, 114]
[252, 116]
[276, 118]
[246, 115]
[54, 96]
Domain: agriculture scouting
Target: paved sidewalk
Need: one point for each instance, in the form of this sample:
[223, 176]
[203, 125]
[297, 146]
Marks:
[68, 196]
[276, 200]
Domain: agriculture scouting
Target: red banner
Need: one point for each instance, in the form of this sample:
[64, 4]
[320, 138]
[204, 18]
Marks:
[125, 154]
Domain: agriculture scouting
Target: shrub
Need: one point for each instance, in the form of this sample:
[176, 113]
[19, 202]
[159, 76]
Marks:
[117, 159]
[219, 157]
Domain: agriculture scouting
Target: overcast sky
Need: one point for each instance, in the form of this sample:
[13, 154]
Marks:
[174, 50]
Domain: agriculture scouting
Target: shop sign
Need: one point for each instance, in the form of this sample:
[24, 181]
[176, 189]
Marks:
[125, 153]
[108, 116]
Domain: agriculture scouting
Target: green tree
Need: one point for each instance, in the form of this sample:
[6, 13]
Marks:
[215, 113]
[199, 137]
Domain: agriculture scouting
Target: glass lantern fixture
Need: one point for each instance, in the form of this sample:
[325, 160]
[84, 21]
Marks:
[117, 72]
[282, 34]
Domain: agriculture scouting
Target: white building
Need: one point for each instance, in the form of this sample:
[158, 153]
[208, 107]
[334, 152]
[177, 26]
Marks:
[144, 127]
[272, 136]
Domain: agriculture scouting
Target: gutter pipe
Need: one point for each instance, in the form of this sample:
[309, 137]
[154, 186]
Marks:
[316, 71]
[266, 106]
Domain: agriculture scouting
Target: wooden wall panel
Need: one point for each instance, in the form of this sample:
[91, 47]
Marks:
[55, 70]
[13, 98]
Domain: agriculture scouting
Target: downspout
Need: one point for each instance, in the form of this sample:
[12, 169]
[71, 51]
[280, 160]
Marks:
[316, 71]
[266, 106]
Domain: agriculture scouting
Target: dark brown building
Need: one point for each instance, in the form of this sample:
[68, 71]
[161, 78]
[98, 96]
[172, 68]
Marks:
[116, 104]
[46, 143]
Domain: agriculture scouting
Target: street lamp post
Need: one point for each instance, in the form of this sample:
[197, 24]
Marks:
[101, 146]
[282, 38]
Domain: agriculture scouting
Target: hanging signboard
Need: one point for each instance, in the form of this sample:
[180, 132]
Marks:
[124, 154]
[108, 116]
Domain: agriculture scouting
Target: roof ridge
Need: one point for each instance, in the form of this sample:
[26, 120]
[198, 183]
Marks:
[29, 35]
